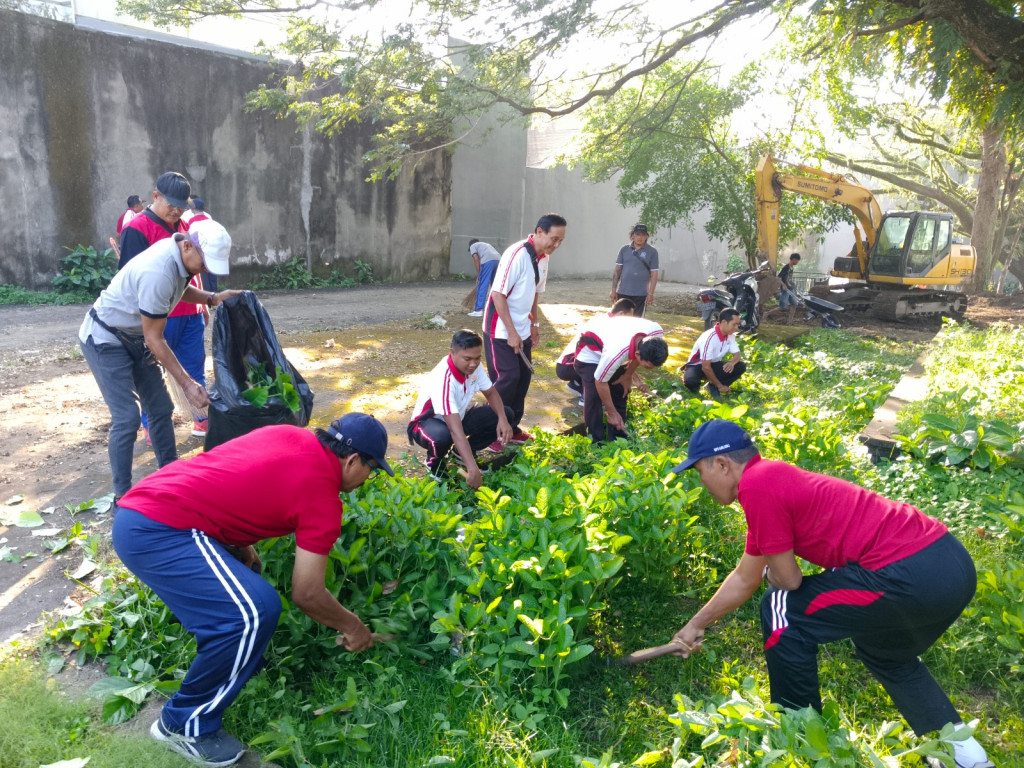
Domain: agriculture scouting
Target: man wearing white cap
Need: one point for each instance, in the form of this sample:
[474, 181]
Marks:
[122, 339]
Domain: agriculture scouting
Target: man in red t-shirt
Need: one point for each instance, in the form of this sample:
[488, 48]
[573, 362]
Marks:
[187, 531]
[894, 579]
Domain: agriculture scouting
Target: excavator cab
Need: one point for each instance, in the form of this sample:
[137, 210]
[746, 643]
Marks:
[911, 244]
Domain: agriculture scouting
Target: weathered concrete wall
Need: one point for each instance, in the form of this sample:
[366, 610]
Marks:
[88, 118]
[497, 198]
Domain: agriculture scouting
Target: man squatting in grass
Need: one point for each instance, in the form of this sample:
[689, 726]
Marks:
[707, 359]
[187, 531]
[442, 416]
[894, 579]
[122, 339]
[565, 365]
[512, 320]
[609, 353]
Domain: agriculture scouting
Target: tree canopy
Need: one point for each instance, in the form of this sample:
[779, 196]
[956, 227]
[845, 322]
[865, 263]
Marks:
[419, 86]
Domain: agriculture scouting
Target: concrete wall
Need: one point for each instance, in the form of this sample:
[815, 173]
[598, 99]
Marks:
[496, 197]
[88, 118]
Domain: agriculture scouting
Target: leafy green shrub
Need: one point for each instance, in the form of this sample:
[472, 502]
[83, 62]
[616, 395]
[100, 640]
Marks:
[294, 275]
[966, 440]
[84, 270]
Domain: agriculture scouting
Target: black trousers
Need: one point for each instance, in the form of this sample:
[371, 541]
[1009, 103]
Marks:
[567, 372]
[892, 615]
[510, 374]
[639, 304]
[480, 425]
[693, 375]
[593, 408]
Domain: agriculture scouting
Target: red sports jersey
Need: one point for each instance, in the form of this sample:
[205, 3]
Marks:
[827, 521]
[271, 482]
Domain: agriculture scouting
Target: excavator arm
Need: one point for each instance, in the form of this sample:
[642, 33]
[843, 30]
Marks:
[834, 187]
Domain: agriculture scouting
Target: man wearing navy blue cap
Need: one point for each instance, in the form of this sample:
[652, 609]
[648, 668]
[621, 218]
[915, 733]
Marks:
[894, 579]
[193, 547]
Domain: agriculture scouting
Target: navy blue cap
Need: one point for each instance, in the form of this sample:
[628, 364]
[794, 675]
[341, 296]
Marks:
[175, 189]
[713, 438]
[365, 434]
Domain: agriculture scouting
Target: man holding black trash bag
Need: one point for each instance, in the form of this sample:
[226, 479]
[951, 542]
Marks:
[122, 338]
[187, 531]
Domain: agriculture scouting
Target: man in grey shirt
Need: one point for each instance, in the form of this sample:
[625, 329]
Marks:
[636, 271]
[122, 339]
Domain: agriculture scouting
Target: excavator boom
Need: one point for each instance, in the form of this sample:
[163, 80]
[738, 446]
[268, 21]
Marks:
[833, 187]
[905, 263]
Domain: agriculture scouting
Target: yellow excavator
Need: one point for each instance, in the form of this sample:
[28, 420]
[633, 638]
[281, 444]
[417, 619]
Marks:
[904, 264]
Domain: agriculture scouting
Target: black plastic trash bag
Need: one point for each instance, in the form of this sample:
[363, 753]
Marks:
[243, 334]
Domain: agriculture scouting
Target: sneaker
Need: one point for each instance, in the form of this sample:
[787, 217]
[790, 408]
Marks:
[475, 313]
[520, 437]
[199, 428]
[580, 403]
[496, 447]
[212, 749]
[574, 388]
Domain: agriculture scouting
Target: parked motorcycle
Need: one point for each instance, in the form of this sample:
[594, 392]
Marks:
[739, 292]
[819, 309]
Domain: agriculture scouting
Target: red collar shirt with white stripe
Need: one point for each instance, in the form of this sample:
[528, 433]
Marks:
[608, 343]
[713, 347]
[447, 391]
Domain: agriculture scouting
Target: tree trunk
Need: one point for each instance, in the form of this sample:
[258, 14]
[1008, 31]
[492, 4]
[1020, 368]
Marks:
[986, 210]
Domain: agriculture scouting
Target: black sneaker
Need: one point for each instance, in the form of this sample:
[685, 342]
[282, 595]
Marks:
[215, 750]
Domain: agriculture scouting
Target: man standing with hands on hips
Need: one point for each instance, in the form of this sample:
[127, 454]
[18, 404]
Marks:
[636, 271]
[893, 579]
[512, 319]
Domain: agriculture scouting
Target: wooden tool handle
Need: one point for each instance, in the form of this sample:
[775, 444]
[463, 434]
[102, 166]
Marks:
[647, 654]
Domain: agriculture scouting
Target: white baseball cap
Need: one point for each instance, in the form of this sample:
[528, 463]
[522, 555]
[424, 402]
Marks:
[215, 243]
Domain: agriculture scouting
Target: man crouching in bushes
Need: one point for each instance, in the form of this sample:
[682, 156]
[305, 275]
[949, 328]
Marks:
[187, 531]
[894, 579]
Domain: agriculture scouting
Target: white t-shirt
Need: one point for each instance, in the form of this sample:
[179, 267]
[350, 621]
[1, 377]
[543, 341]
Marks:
[514, 279]
[713, 346]
[607, 341]
[447, 391]
[150, 284]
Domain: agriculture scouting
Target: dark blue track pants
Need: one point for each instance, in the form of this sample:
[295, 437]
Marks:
[230, 610]
[892, 615]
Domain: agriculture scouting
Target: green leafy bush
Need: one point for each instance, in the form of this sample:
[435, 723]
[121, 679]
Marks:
[501, 600]
[84, 270]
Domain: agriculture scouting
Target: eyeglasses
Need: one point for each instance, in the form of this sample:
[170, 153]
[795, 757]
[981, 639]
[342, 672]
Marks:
[371, 463]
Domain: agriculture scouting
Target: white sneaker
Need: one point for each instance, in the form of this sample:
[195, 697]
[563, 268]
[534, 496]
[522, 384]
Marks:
[474, 313]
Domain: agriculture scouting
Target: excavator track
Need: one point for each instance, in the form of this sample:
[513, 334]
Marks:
[912, 306]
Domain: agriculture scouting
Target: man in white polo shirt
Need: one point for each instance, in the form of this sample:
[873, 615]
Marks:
[610, 351]
[511, 319]
[442, 416]
[707, 360]
[122, 338]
